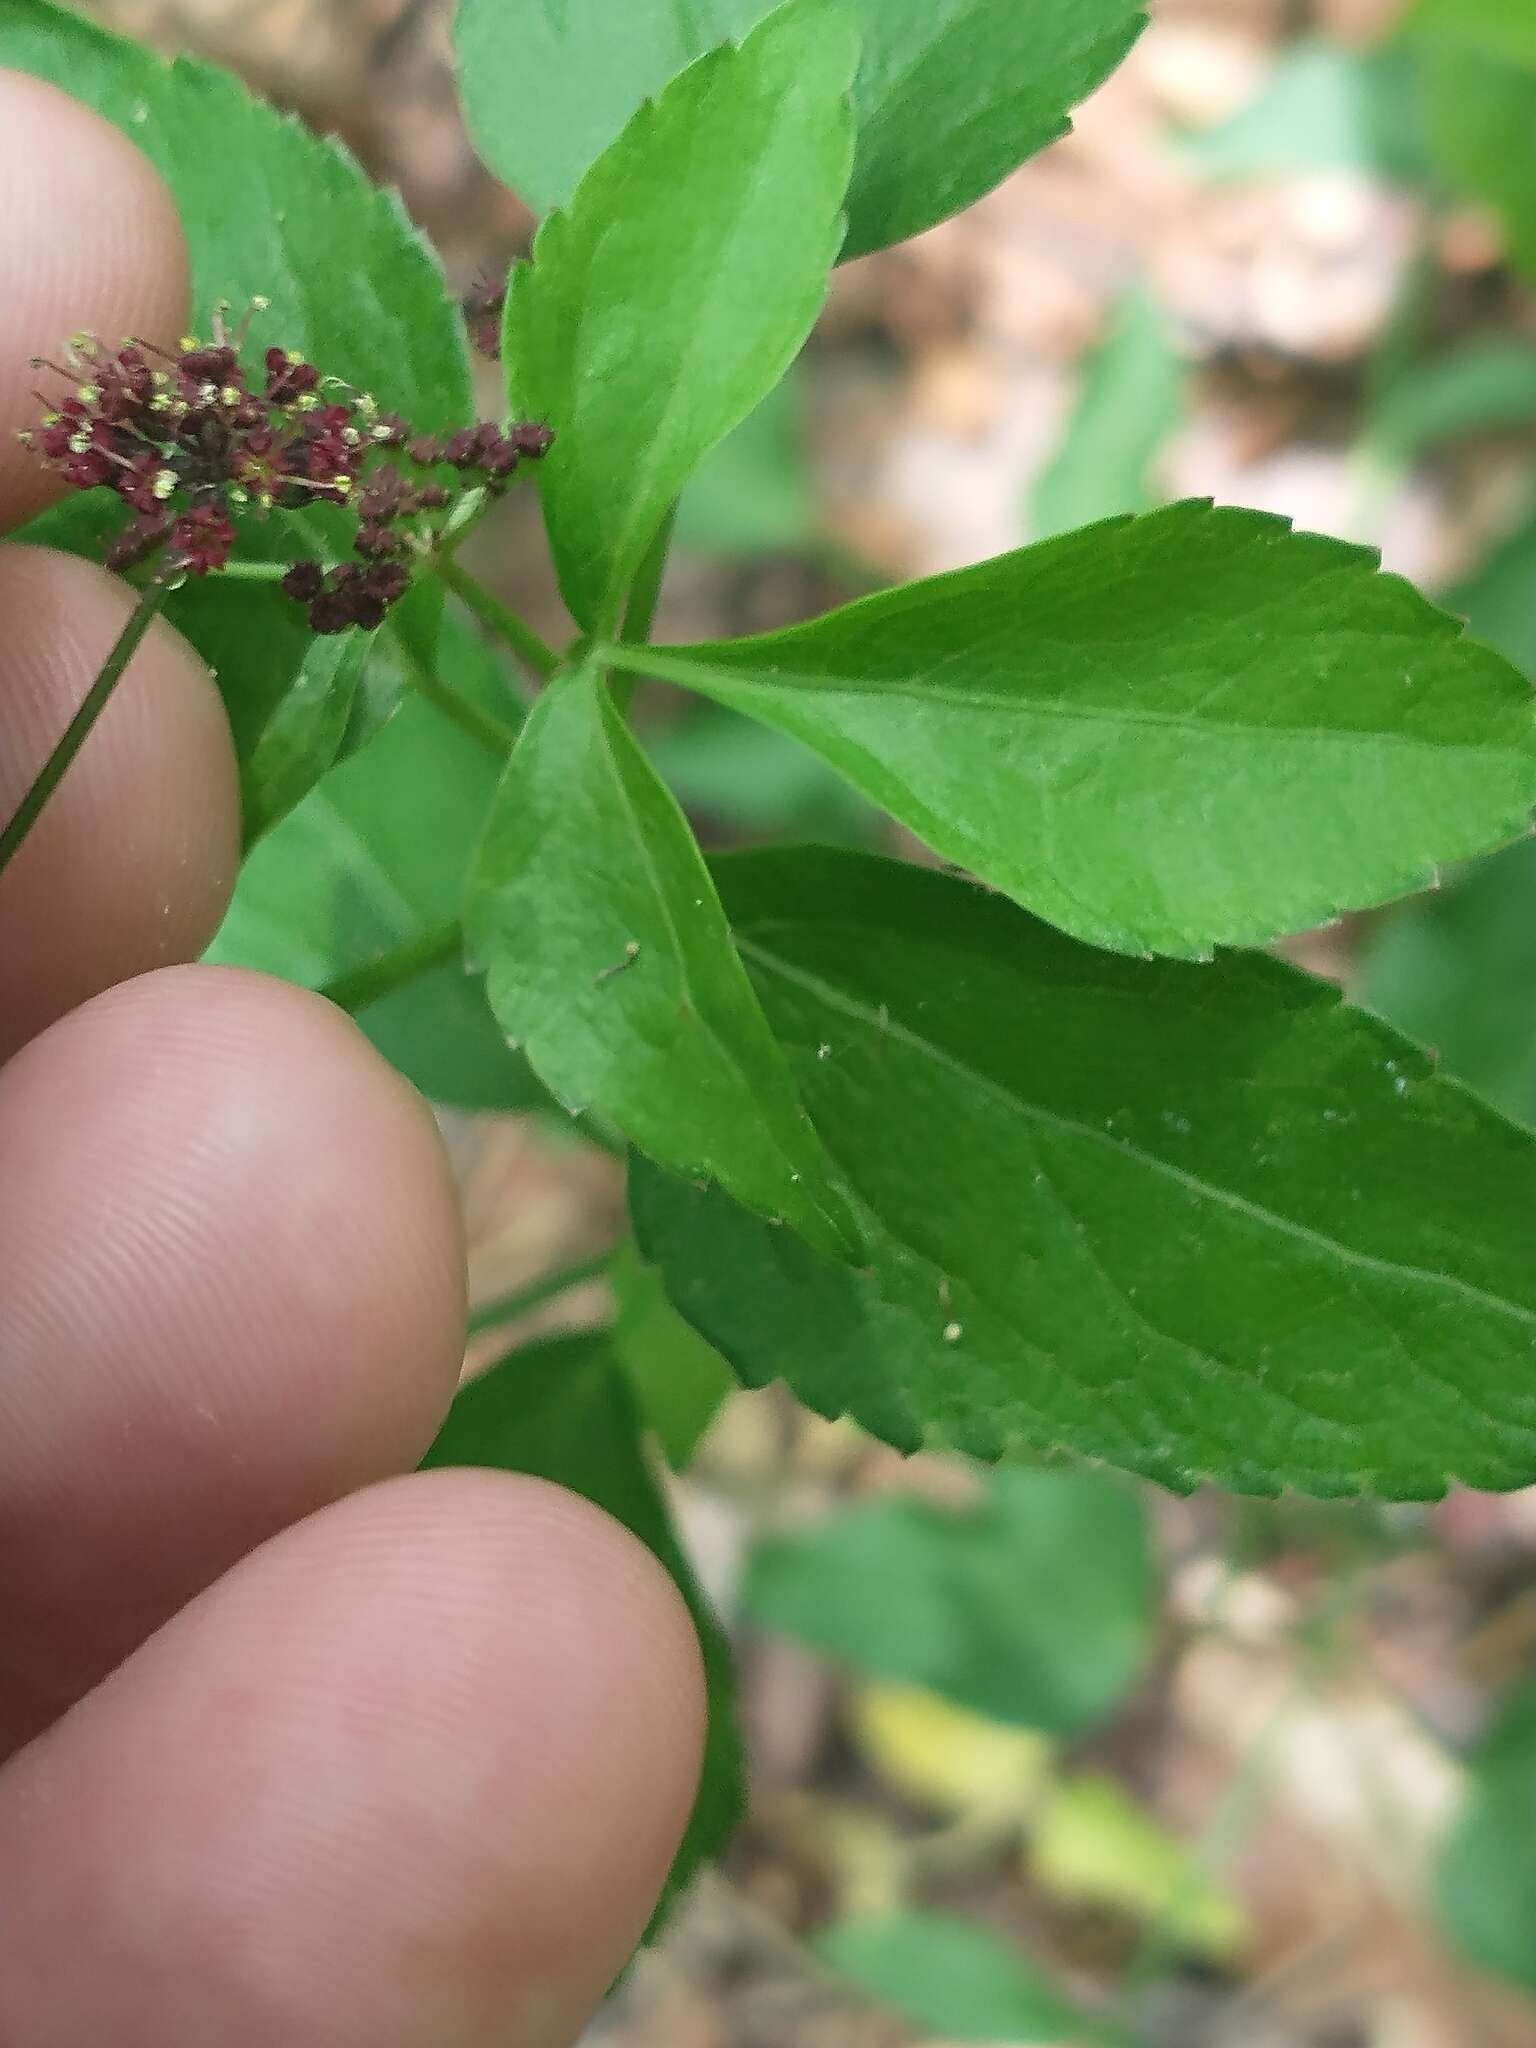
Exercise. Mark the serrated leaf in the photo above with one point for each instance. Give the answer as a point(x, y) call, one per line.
point(1457, 970)
point(1163, 734)
point(270, 210)
point(373, 859)
point(1485, 1886)
point(564, 1411)
point(1151, 1213)
point(678, 287)
point(950, 97)
point(1034, 1607)
point(1498, 597)
point(954, 1979)
point(610, 962)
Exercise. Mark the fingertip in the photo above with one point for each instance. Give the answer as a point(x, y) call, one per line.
point(93, 244)
point(131, 864)
point(231, 1241)
point(413, 1772)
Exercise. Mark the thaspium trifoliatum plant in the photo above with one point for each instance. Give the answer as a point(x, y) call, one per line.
point(1030, 1156)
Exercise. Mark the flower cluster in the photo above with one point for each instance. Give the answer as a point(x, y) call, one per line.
point(186, 441)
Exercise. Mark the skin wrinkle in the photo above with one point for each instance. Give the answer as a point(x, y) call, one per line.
point(367, 1318)
point(131, 864)
point(430, 1925)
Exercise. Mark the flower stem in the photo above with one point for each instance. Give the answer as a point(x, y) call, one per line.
point(53, 770)
point(362, 986)
point(498, 618)
point(492, 733)
point(509, 1308)
point(252, 572)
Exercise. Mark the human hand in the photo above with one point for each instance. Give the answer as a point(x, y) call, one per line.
point(299, 1753)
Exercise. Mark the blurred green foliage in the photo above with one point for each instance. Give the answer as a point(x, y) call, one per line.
point(1035, 1606)
point(1486, 1891)
point(957, 1980)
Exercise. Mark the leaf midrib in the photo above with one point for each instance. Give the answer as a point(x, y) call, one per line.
point(607, 723)
point(675, 665)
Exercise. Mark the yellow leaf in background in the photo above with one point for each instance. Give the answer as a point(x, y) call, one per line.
point(941, 1756)
point(1094, 1844)
point(864, 1855)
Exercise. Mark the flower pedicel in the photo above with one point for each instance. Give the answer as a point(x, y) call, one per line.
point(189, 441)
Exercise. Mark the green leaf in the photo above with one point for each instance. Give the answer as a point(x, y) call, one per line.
point(678, 1379)
point(1034, 1607)
point(1163, 734)
point(1498, 597)
point(1151, 1213)
point(1486, 1884)
point(678, 288)
point(732, 772)
point(371, 860)
point(754, 493)
point(1474, 389)
point(270, 210)
point(954, 1979)
point(1503, 28)
point(1482, 120)
point(1322, 108)
point(1457, 970)
point(951, 96)
point(1095, 1845)
point(609, 960)
point(305, 734)
point(1130, 402)
point(564, 1411)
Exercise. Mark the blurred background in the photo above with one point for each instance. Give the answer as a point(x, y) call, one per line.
point(1042, 1756)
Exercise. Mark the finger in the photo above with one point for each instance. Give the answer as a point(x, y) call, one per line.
point(131, 864)
point(413, 1773)
point(90, 241)
point(234, 1289)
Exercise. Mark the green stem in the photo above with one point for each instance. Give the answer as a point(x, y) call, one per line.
point(509, 1308)
point(491, 732)
point(76, 733)
point(498, 618)
point(253, 572)
point(362, 986)
point(643, 600)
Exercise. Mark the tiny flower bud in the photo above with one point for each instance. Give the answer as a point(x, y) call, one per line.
point(304, 581)
point(331, 612)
